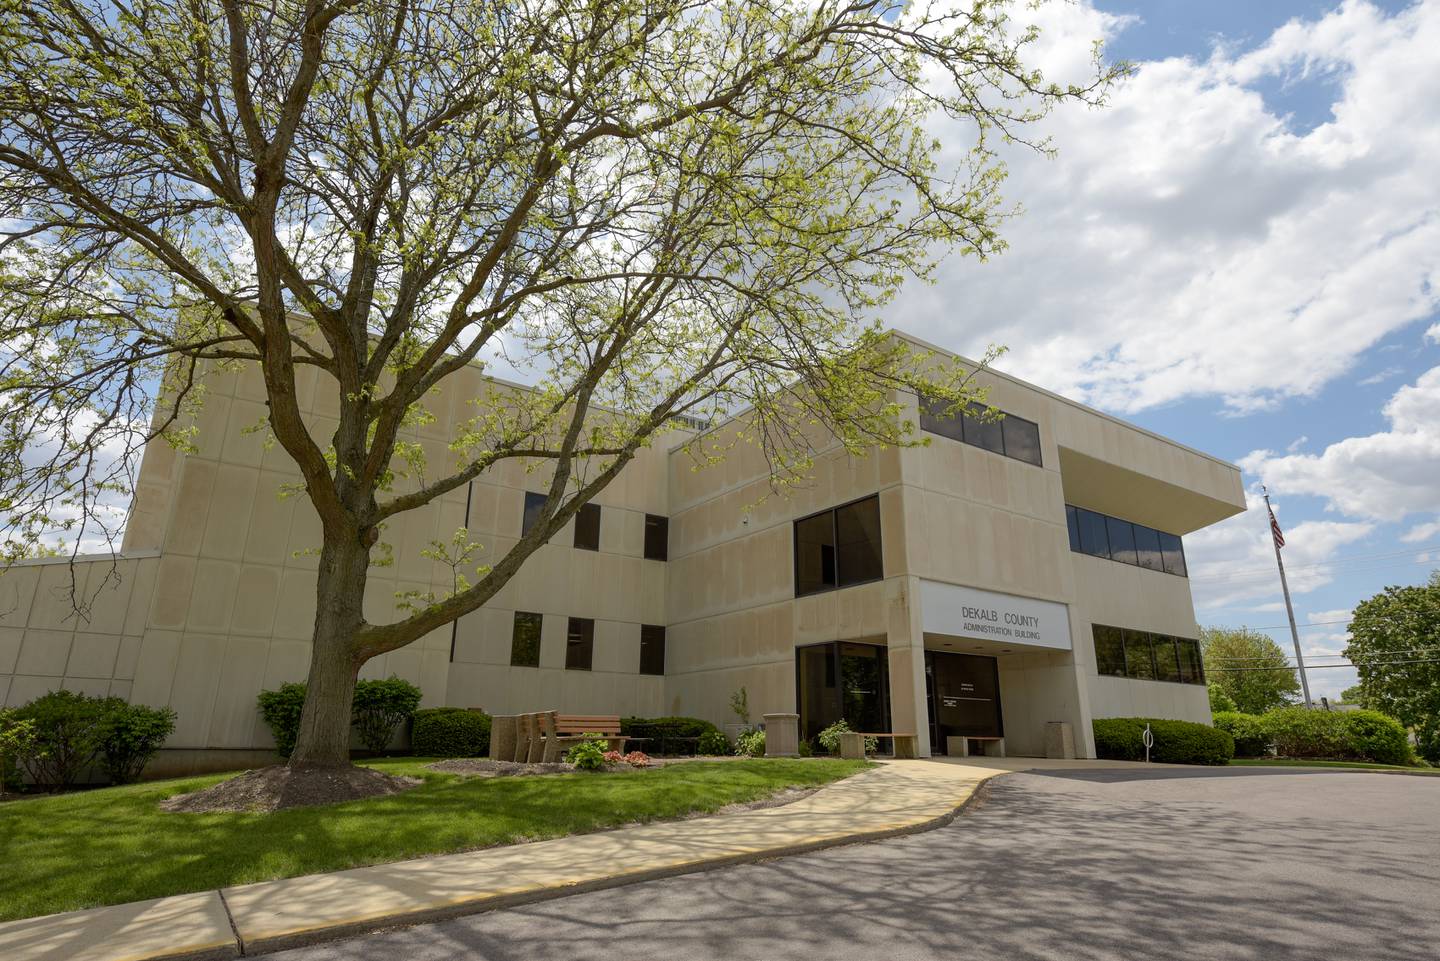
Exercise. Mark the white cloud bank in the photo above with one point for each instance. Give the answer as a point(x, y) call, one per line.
point(1189, 242)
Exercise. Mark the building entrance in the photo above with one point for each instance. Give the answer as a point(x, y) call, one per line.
point(963, 691)
point(842, 680)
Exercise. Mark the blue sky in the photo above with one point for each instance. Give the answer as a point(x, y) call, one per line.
point(1242, 252)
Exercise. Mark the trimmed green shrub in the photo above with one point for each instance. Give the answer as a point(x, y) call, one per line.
point(1376, 737)
point(380, 707)
point(1303, 732)
point(17, 740)
point(1248, 730)
point(750, 744)
point(1176, 742)
point(712, 743)
point(129, 735)
point(450, 732)
point(66, 725)
point(658, 727)
point(587, 755)
point(830, 738)
point(280, 709)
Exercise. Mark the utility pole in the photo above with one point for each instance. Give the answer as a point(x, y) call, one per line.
point(1278, 540)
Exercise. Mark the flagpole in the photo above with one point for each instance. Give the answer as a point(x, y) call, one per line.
point(1289, 609)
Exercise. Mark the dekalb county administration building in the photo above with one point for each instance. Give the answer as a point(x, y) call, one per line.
point(1010, 574)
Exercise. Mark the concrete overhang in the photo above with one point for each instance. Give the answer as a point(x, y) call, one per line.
point(1134, 496)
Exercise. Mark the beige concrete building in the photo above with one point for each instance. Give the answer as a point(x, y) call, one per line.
point(1008, 575)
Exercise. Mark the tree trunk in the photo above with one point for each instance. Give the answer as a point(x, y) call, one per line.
point(324, 736)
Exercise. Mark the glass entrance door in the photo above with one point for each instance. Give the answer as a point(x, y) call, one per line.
point(842, 679)
point(964, 695)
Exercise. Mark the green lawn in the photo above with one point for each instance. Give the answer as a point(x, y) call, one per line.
point(115, 845)
point(1306, 762)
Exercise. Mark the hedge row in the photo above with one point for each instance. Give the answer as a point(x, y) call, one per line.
point(450, 732)
point(66, 732)
point(378, 710)
point(1307, 733)
point(1176, 742)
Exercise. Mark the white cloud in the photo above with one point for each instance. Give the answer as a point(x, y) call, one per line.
point(1387, 475)
point(1187, 242)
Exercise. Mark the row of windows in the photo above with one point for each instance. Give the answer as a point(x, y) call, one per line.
point(838, 547)
point(587, 527)
point(580, 643)
point(1010, 435)
point(1103, 536)
point(1121, 652)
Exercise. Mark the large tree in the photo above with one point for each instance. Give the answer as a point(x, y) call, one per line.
point(1395, 647)
point(660, 207)
point(1249, 668)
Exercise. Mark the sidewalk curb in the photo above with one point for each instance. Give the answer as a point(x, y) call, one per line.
point(483, 905)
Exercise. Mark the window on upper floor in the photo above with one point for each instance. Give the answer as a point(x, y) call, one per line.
point(1006, 434)
point(1120, 540)
point(652, 649)
point(587, 527)
point(525, 640)
point(657, 537)
point(579, 644)
point(838, 547)
point(534, 503)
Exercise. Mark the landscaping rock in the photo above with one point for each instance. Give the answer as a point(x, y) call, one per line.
point(280, 786)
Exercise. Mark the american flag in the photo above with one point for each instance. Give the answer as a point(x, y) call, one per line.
point(1275, 528)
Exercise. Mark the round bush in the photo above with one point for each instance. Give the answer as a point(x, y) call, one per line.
point(1303, 732)
point(450, 732)
point(1248, 730)
point(380, 707)
point(1176, 742)
point(280, 709)
point(712, 743)
point(1376, 737)
point(129, 735)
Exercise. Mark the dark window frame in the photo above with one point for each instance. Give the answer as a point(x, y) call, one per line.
point(534, 503)
point(656, 641)
point(657, 547)
point(1079, 519)
point(840, 582)
point(515, 625)
point(968, 426)
point(1185, 651)
point(586, 643)
point(587, 527)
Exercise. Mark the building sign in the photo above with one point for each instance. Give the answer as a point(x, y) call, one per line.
point(989, 615)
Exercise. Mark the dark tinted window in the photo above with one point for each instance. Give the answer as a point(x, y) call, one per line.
point(1167, 665)
point(657, 537)
point(934, 419)
point(652, 649)
point(1122, 540)
point(525, 640)
point(815, 553)
point(1137, 656)
point(1109, 650)
point(1072, 521)
point(533, 503)
point(857, 535)
point(1192, 670)
point(1147, 547)
point(981, 432)
point(1172, 554)
point(1093, 538)
point(1022, 439)
point(587, 527)
point(579, 644)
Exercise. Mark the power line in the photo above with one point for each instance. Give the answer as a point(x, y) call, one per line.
point(1240, 577)
point(1262, 657)
point(1316, 667)
point(1334, 561)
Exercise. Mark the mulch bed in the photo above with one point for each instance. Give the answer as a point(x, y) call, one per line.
point(279, 787)
point(481, 767)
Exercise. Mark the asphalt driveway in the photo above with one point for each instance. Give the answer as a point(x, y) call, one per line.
point(1223, 863)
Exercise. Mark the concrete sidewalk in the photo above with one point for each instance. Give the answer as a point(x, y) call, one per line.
point(897, 797)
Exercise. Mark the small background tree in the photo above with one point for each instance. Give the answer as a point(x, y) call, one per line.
point(1395, 647)
point(1249, 668)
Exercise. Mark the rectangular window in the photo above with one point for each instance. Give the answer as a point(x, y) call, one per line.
point(587, 527)
point(1022, 439)
point(533, 504)
point(934, 419)
point(857, 542)
point(980, 432)
point(837, 548)
point(1109, 650)
point(1122, 540)
point(652, 649)
point(579, 644)
point(1072, 521)
point(1138, 662)
point(1172, 554)
point(1147, 547)
point(525, 640)
point(1093, 538)
point(1192, 669)
point(657, 537)
point(1167, 664)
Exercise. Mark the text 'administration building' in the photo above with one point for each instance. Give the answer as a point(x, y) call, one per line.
point(1010, 574)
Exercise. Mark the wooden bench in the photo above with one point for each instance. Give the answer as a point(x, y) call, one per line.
point(852, 744)
point(958, 745)
point(562, 730)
